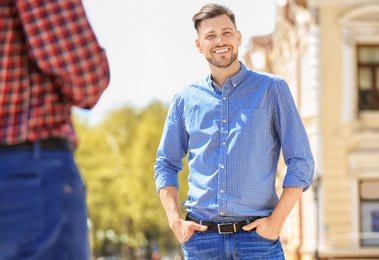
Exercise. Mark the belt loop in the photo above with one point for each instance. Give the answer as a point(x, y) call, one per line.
point(36, 150)
point(201, 223)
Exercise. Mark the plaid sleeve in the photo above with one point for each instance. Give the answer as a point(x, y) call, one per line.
point(62, 43)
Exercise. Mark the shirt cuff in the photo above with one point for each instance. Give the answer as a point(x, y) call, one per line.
point(292, 180)
point(165, 180)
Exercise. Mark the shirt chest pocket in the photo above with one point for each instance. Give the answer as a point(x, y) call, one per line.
point(252, 124)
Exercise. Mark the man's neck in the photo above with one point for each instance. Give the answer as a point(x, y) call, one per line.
point(220, 75)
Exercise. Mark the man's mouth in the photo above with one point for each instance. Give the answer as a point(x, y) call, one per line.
point(223, 50)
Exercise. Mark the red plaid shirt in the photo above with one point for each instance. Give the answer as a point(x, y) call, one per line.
point(50, 60)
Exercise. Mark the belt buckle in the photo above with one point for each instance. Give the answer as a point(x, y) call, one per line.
point(219, 227)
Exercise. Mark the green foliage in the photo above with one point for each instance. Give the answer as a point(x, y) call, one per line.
point(116, 159)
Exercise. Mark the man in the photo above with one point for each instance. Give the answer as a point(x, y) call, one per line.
point(233, 124)
point(50, 61)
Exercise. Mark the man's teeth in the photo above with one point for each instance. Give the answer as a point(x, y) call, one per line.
point(221, 51)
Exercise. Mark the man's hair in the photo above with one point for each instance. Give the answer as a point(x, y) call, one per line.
point(211, 11)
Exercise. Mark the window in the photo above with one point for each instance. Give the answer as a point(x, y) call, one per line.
point(369, 199)
point(368, 77)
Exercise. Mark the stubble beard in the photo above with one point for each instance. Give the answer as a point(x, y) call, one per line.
point(220, 65)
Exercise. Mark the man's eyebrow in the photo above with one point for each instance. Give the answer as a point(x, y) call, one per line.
point(228, 28)
point(209, 32)
point(223, 29)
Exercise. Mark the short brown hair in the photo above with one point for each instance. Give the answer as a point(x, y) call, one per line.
point(212, 11)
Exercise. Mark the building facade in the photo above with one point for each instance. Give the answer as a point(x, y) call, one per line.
point(349, 127)
point(328, 51)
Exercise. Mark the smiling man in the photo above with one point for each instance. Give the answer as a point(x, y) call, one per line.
point(219, 42)
point(234, 124)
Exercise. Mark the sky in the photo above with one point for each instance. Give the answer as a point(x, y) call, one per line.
point(150, 45)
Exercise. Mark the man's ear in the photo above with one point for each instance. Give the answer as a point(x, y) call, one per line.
point(197, 42)
point(239, 36)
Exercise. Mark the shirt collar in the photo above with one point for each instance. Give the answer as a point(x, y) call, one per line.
point(235, 79)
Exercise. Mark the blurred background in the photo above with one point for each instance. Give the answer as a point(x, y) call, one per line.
point(328, 52)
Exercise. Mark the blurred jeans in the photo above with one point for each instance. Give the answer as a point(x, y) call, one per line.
point(43, 214)
point(211, 245)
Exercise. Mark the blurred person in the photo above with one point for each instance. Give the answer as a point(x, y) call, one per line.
point(50, 61)
point(234, 125)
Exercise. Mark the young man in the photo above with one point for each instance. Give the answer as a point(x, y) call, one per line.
point(233, 124)
point(50, 61)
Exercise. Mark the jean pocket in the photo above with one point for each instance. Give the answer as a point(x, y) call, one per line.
point(20, 209)
point(264, 238)
point(189, 239)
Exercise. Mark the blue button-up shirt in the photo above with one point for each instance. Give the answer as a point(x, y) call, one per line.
point(234, 136)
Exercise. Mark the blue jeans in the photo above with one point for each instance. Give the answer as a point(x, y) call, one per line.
point(42, 206)
point(211, 245)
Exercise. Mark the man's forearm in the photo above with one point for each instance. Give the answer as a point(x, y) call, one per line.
point(169, 199)
point(286, 203)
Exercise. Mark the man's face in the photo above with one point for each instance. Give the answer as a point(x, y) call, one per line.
point(218, 40)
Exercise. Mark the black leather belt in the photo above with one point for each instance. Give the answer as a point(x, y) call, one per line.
point(224, 228)
point(52, 143)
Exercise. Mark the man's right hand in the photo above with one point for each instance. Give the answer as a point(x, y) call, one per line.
point(184, 230)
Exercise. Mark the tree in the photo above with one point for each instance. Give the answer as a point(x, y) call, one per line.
point(116, 158)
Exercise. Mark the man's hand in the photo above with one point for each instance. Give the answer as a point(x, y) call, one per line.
point(265, 227)
point(271, 226)
point(184, 230)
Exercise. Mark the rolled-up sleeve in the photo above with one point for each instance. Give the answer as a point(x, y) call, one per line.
point(294, 140)
point(172, 149)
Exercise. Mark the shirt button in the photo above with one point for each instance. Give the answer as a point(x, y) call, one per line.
point(234, 84)
point(221, 191)
point(223, 143)
point(67, 188)
point(224, 98)
point(224, 121)
point(222, 213)
point(222, 166)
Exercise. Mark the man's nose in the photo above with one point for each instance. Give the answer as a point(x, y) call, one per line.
point(219, 40)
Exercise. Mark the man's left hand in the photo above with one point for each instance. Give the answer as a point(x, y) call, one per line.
point(264, 227)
